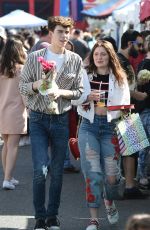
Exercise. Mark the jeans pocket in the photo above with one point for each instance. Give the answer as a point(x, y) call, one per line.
point(35, 116)
point(63, 118)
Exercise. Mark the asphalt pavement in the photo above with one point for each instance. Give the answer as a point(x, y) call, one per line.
point(16, 210)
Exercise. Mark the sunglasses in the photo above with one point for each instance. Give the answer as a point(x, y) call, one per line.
point(137, 43)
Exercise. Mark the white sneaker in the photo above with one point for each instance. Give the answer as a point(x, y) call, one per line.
point(14, 181)
point(93, 225)
point(8, 185)
point(22, 142)
point(112, 212)
point(143, 181)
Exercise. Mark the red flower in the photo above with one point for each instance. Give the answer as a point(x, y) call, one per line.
point(87, 180)
point(90, 198)
point(88, 189)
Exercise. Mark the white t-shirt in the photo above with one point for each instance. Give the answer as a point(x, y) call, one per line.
point(58, 58)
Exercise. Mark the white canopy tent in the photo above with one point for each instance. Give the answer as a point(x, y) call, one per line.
point(21, 19)
point(129, 13)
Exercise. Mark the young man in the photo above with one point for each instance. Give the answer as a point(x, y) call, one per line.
point(46, 127)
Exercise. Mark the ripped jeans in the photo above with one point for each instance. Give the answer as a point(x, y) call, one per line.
point(45, 129)
point(97, 153)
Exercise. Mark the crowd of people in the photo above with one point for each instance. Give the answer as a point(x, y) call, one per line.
point(92, 74)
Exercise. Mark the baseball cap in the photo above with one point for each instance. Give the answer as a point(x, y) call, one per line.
point(3, 32)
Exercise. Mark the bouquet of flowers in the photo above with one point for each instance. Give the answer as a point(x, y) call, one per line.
point(143, 77)
point(48, 84)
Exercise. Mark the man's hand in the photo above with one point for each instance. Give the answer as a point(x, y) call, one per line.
point(36, 85)
point(139, 96)
point(55, 94)
point(61, 93)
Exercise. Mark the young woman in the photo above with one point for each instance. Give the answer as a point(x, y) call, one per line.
point(107, 86)
point(13, 116)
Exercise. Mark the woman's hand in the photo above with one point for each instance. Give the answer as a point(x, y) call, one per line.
point(94, 95)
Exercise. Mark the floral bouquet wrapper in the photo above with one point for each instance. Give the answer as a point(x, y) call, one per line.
point(48, 84)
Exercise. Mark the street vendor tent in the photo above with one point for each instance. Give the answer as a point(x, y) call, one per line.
point(128, 12)
point(144, 10)
point(106, 8)
point(21, 19)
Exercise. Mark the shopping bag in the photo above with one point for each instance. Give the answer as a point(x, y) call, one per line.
point(131, 134)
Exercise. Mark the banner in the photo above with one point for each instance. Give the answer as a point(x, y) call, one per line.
point(61, 7)
point(76, 6)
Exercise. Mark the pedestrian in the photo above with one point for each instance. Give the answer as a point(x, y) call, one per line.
point(143, 108)
point(73, 123)
point(13, 116)
point(97, 128)
point(138, 222)
point(44, 40)
point(80, 46)
point(45, 124)
point(129, 49)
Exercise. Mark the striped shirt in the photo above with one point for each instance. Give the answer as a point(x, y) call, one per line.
point(69, 77)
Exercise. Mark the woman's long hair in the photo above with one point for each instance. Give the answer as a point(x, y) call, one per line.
point(13, 53)
point(114, 63)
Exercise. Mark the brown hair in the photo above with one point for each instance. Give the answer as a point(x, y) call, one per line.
point(59, 20)
point(12, 54)
point(139, 221)
point(114, 63)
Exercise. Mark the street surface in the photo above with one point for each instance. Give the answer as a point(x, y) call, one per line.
point(16, 210)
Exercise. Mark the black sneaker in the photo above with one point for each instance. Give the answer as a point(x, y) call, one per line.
point(53, 224)
point(71, 169)
point(40, 224)
point(134, 193)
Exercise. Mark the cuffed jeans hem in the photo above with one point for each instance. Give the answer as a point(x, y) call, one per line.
point(40, 217)
point(51, 216)
point(93, 205)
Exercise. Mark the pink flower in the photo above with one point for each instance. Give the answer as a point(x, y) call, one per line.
point(47, 65)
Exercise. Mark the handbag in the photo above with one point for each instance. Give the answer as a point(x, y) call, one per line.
point(116, 191)
point(131, 134)
point(73, 147)
point(73, 144)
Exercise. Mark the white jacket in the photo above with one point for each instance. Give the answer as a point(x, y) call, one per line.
point(117, 95)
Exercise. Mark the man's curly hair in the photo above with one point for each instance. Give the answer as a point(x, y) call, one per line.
point(61, 21)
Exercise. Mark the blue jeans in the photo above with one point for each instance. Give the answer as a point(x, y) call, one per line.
point(97, 157)
point(67, 162)
point(45, 129)
point(144, 154)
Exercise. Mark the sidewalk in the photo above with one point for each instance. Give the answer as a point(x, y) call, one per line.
point(16, 210)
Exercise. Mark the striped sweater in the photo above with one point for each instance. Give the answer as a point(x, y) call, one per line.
point(69, 77)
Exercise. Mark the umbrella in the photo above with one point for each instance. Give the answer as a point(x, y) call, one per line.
point(144, 10)
point(21, 19)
